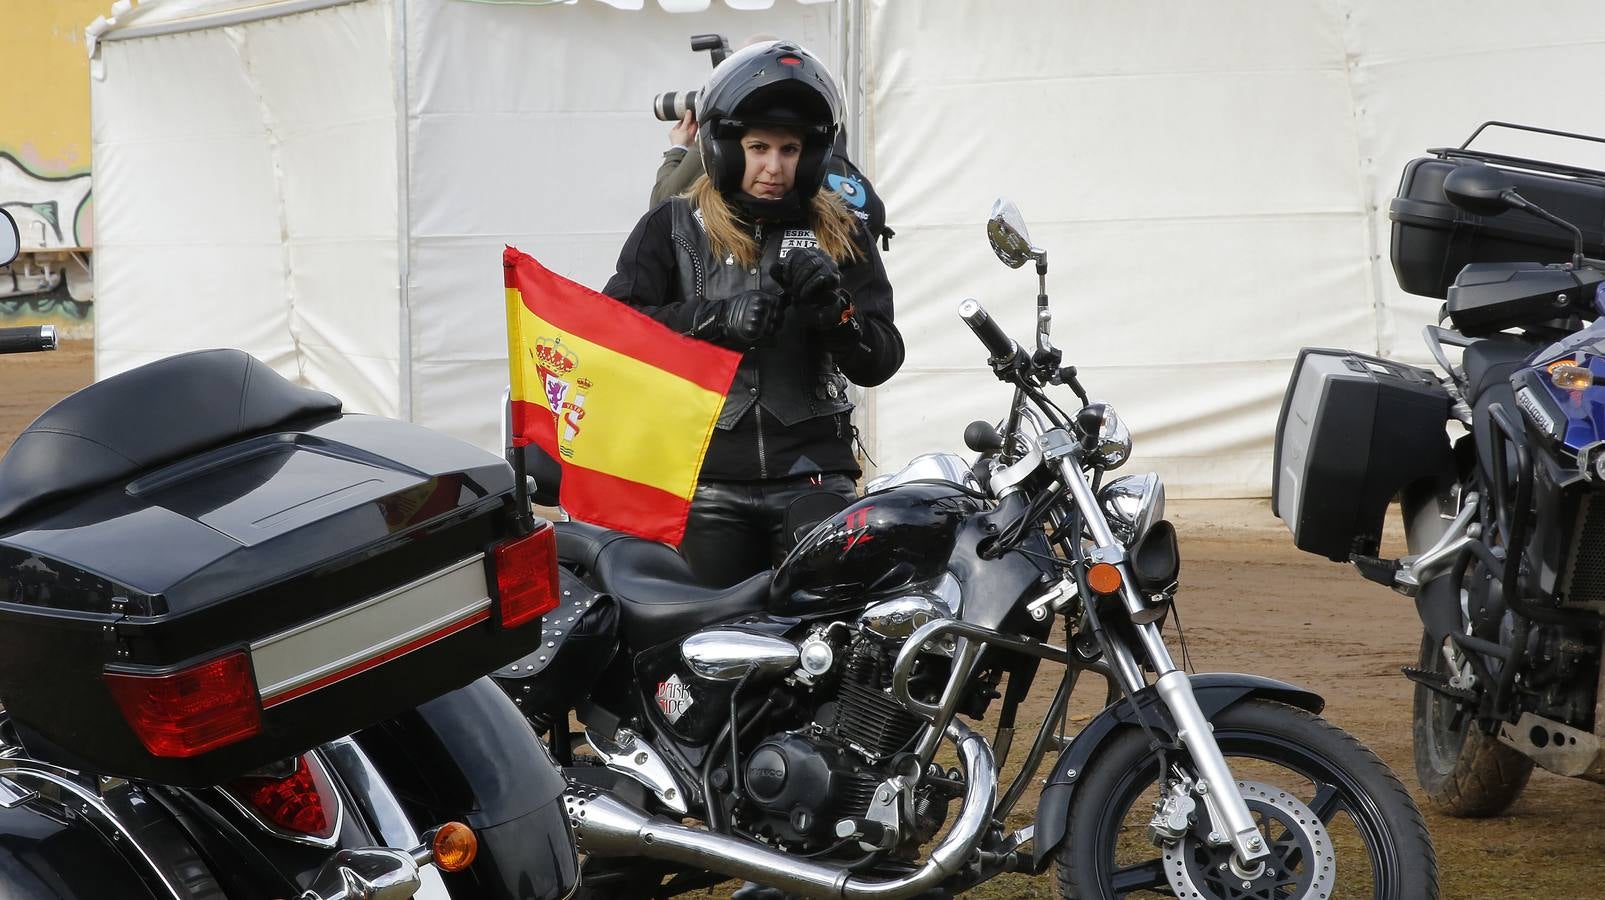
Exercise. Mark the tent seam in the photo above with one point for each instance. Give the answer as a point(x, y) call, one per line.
point(275, 147)
point(1365, 173)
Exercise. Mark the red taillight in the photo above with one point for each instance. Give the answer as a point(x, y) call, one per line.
point(526, 576)
point(789, 61)
point(190, 711)
point(302, 802)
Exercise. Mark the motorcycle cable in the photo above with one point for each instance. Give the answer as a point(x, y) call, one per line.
point(1181, 636)
point(1089, 607)
point(1015, 532)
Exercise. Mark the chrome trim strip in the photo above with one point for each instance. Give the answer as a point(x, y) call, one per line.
point(316, 649)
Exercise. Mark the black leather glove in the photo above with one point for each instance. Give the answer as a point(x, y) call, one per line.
point(808, 275)
point(743, 321)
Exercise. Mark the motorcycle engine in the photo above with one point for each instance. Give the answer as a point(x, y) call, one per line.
point(801, 783)
point(1565, 674)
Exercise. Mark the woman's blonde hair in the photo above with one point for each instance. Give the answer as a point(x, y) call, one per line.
point(833, 225)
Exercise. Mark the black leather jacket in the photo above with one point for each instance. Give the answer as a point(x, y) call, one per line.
point(787, 411)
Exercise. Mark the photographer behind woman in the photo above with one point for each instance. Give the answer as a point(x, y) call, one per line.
point(755, 257)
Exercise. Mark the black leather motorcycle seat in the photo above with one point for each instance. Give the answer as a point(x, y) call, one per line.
point(146, 417)
point(659, 600)
point(1493, 360)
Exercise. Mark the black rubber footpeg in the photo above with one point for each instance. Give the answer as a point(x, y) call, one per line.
point(1437, 681)
point(1381, 571)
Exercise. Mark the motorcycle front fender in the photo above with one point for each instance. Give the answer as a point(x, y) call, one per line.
point(1215, 692)
point(470, 755)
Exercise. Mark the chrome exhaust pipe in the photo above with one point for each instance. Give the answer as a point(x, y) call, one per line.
point(606, 826)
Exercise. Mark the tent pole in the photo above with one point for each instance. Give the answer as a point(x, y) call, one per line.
point(404, 368)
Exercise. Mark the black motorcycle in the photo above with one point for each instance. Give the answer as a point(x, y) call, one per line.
point(242, 646)
point(1504, 546)
point(809, 718)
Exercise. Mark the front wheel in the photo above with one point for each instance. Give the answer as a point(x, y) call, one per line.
point(1338, 821)
point(1465, 772)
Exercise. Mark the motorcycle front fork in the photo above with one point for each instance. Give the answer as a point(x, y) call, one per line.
point(1228, 813)
point(1231, 821)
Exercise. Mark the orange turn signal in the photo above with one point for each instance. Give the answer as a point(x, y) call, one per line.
point(455, 846)
point(1103, 578)
point(1571, 378)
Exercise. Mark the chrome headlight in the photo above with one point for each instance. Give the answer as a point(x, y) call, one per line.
point(1112, 447)
point(1132, 504)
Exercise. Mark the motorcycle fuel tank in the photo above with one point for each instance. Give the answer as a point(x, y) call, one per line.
point(886, 541)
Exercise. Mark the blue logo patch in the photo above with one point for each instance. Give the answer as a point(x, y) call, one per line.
point(850, 188)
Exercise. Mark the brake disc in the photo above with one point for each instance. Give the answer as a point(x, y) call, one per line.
point(1301, 861)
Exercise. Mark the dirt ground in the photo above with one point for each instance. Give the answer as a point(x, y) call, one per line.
point(1250, 602)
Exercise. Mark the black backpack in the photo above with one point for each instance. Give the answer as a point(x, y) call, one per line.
point(844, 178)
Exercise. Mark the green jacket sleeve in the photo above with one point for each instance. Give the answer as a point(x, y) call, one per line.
point(680, 167)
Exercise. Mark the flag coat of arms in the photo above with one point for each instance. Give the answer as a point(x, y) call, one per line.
point(626, 404)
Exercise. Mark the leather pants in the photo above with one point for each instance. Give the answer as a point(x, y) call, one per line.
point(737, 528)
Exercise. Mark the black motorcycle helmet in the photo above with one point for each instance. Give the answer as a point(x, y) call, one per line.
point(774, 83)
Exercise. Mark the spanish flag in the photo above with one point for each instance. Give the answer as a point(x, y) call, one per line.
point(626, 404)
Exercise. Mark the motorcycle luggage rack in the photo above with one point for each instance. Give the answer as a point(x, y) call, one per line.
point(1464, 151)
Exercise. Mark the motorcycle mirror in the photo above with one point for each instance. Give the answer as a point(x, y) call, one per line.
point(1485, 191)
point(10, 239)
point(1006, 231)
point(1480, 190)
point(982, 437)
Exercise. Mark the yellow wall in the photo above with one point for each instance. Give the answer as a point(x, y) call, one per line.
point(44, 115)
point(44, 142)
point(44, 83)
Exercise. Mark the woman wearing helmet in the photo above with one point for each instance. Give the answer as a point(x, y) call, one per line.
point(755, 257)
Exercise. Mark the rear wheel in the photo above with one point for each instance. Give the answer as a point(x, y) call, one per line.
point(1463, 771)
point(1340, 825)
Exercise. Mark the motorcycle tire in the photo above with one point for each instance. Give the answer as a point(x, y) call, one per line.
point(1464, 771)
point(1281, 751)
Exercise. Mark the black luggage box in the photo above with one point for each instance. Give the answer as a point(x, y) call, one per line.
point(1353, 431)
point(1432, 240)
point(249, 600)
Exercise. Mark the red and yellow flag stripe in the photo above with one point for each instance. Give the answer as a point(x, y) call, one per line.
point(624, 403)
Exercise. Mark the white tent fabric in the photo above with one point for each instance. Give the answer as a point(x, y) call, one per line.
point(240, 202)
point(328, 184)
point(1211, 181)
point(331, 188)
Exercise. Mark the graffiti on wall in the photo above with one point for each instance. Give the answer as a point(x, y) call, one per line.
point(51, 282)
point(51, 210)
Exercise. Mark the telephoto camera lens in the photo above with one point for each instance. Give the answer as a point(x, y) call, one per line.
point(671, 106)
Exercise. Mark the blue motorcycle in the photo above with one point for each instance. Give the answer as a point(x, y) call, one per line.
point(1498, 461)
